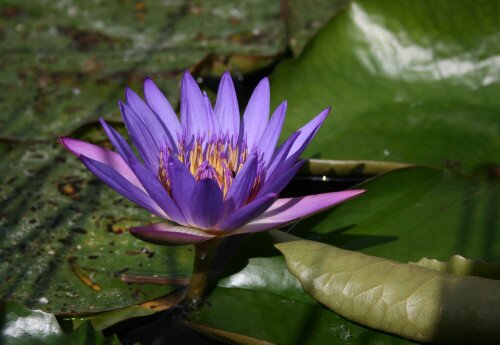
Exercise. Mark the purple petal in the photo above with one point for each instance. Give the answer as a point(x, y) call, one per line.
point(282, 165)
point(160, 105)
point(307, 133)
point(149, 180)
point(213, 123)
point(99, 154)
point(120, 144)
point(285, 160)
point(194, 117)
point(116, 181)
point(169, 234)
point(242, 185)
point(281, 155)
point(147, 144)
point(284, 177)
point(272, 133)
point(182, 184)
point(247, 212)
point(256, 114)
point(226, 107)
point(158, 193)
point(207, 204)
point(150, 120)
point(290, 210)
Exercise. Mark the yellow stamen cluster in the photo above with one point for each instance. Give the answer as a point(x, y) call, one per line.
point(225, 159)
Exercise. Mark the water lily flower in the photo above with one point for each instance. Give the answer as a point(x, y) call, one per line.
point(211, 174)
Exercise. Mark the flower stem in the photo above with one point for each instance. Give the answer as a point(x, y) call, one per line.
point(204, 253)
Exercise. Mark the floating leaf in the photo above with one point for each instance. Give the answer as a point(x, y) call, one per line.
point(462, 266)
point(404, 299)
point(305, 18)
point(279, 320)
point(260, 299)
point(66, 64)
point(65, 241)
point(404, 215)
point(106, 319)
point(410, 213)
point(413, 82)
point(21, 326)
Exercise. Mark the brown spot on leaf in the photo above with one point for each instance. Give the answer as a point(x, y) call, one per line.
point(10, 11)
point(117, 229)
point(86, 40)
point(68, 188)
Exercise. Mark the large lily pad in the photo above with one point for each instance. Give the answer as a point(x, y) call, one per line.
point(65, 64)
point(278, 320)
point(64, 237)
point(415, 212)
point(21, 326)
point(305, 18)
point(404, 299)
point(405, 215)
point(413, 82)
point(260, 299)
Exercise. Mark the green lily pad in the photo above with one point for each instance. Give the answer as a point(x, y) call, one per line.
point(462, 266)
point(258, 298)
point(410, 213)
point(408, 82)
point(66, 64)
point(21, 326)
point(405, 214)
point(106, 319)
point(278, 320)
point(64, 237)
point(305, 18)
point(404, 299)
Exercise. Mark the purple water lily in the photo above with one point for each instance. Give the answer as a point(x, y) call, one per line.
point(210, 174)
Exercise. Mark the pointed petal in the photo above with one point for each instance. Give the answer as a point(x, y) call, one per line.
point(307, 133)
point(122, 186)
point(158, 193)
point(150, 120)
point(113, 159)
point(242, 185)
point(272, 133)
point(213, 123)
point(120, 144)
point(182, 184)
point(149, 180)
point(169, 234)
point(283, 163)
point(148, 146)
point(290, 210)
point(281, 155)
point(247, 213)
point(256, 114)
point(226, 107)
point(194, 117)
point(282, 180)
point(207, 204)
point(160, 105)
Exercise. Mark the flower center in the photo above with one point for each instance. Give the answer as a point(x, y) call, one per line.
point(216, 158)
